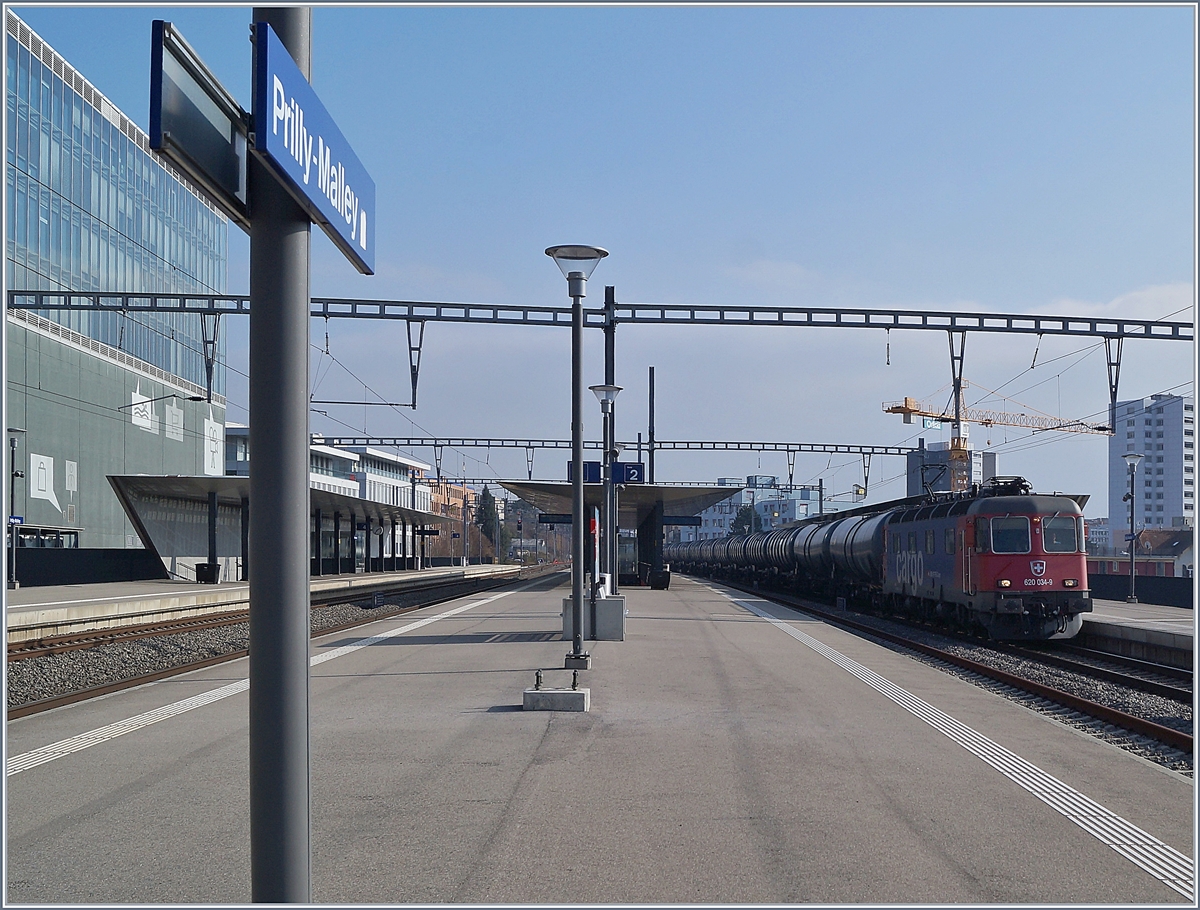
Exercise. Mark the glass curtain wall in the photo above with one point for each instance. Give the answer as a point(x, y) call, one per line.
point(90, 208)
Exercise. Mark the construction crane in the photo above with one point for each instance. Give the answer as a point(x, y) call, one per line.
point(910, 407)
point(959, 454)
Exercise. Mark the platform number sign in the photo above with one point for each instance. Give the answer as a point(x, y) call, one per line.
point(632, 472)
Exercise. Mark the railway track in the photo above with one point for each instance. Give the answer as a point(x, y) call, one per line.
point(21, 653)
point(1140, 675)
point(61, 644)
point(1140, 726)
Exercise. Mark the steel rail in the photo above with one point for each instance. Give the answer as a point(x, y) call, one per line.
point(627, 313)
point(59, 644)
point(1163, 690)
point(1170, 672)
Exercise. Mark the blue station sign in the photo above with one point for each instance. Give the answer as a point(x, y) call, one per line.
point(297, 139)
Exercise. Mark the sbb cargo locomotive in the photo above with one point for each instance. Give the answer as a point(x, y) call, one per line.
point(997, 557)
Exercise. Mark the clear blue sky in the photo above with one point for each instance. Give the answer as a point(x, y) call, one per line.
point(1009, 159)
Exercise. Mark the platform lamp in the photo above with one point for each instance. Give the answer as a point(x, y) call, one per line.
point(1132, 460)
point(607, 396)
point(13, 476)
point(577, 262)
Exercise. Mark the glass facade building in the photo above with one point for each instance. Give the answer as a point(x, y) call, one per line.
point(91, 208)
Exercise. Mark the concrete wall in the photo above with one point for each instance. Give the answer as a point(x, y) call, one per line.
point(67, 400)
point(1151, 589)
point(37, 567)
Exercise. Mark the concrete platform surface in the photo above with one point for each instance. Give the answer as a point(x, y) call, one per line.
point(735, 752)
point(34, 612)
point(1176, 620)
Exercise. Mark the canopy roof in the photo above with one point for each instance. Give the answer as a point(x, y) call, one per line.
point(635, 501)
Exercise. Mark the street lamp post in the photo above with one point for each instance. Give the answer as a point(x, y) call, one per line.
point(13, 476)
point(1132, 460)
point(137, 404)
point(607, 396)
point(577, 262)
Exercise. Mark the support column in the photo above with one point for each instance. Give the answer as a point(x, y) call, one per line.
point(279, 589)
point(650, 549)
point(1114, 378)
point(366, 539)
point(245, 539)
point(337, 543)
point(317, 520)
point(213, 515)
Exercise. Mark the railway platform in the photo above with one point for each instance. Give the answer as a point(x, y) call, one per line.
point(39, 612)
point(735, 752)
point(1144, 631)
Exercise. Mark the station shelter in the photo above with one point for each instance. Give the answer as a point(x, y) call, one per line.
point(646, 508)
point(192, 523)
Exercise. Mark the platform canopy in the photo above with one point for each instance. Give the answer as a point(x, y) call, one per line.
point(635, 501)
point(170, 513)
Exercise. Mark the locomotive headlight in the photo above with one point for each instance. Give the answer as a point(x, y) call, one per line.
point(1004, 583)
point(1070, 582)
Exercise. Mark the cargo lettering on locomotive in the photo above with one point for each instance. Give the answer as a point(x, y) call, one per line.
point(910, 568)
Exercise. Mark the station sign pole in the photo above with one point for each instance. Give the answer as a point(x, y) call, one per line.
point(280, 234)
point(275, 172)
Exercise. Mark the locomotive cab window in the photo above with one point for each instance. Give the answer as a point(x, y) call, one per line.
point(1010, 535)
point(948, 541)
point(1060, 535)
point(983, 540)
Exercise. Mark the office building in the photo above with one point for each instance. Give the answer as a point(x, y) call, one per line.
point(94, 394)
point(371, 490)
point(929, 467)
point(1162, 428)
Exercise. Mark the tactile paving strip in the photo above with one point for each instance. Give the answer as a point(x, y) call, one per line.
point(62, 748)
point(1168, 865)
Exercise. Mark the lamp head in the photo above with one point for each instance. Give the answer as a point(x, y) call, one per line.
point(605, 393)
point(576, 257)
point(1132, 460)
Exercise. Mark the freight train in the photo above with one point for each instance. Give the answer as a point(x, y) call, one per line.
point(997, 558)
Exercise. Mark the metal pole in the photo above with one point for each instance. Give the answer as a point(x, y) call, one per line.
point(578, 657)
point(13, 584)
point(606, 478)
point(595, 557)
point(1132, 598)
point(610, 430)
point(650, 464)
point(279, 587)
